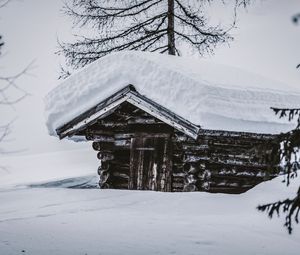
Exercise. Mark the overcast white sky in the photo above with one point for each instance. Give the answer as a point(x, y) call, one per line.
point(266, 42)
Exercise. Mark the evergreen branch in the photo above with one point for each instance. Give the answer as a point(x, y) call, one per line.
point(289, 207)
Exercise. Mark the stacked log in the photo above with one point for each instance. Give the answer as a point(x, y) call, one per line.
point(221, 161)
point(105, 154)
point(218, 161)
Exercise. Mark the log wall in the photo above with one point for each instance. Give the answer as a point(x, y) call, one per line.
point(221, 161)
point(218, 161)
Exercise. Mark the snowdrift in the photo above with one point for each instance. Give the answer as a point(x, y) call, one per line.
point(54, 219)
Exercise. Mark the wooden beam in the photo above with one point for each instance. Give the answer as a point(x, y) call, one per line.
point(163, 114)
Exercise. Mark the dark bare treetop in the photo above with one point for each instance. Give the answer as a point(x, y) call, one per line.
point(296, 19)
point(146, 25)
point(1, 44)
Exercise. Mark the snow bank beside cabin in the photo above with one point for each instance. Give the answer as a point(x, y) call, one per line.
point(211, 95)
point(46, 167)
point(64, 221)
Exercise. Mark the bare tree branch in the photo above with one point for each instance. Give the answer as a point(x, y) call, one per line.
point(7, 85)
point(3, 3)
point(9, 82)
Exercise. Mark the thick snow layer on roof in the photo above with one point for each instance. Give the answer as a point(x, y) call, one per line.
point(211, 95)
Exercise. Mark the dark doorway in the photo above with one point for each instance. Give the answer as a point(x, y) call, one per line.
point(151, 163)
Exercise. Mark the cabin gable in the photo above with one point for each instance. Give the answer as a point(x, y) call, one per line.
point(130, 95)
point(135, 149)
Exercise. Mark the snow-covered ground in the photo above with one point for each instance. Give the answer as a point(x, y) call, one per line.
point(40, 215)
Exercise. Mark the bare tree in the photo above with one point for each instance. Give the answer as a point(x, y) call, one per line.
point(10, 92)
point(146, 25)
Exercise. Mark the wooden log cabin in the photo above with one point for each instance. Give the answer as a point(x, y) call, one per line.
point(143, 145)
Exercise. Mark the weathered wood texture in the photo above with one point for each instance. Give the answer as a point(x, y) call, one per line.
point(137, 151)
point(222, 161)
point(150, 163)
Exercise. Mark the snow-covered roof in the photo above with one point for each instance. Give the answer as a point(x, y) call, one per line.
point(212, 95)
point(129, 95)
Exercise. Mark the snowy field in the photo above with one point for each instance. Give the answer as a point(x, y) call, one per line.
point(39, 214)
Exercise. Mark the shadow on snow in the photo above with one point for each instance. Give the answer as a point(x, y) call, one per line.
point(82, 182)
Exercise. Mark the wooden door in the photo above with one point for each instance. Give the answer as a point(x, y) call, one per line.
point(151, 163)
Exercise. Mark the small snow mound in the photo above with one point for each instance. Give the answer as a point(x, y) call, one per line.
point(274, 190)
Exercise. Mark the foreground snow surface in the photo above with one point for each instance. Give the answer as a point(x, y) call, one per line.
point(39, 214)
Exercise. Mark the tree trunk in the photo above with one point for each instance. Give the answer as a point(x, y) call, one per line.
point(171, 34)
